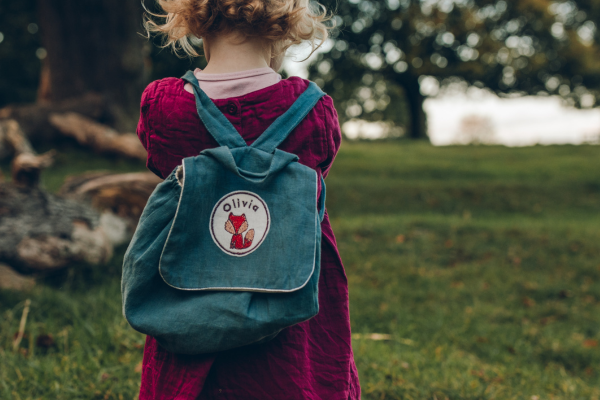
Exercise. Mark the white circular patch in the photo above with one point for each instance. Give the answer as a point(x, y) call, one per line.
point(239, 223)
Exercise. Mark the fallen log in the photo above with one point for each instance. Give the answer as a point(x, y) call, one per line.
point(12, 139)
point(124, 195)
point(40, 231)
point(100, 138)
point(33, 118)
point(26, 164)
point(26, 167)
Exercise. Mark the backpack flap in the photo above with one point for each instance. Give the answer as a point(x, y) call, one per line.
point(246, 221)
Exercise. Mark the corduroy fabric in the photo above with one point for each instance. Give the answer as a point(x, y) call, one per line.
point(311, 360)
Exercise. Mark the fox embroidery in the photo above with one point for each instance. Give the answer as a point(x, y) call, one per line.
point(236, 225)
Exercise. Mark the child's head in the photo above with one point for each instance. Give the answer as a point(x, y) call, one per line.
point(279, 23)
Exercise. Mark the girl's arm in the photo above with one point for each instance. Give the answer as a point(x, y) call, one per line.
point(333, 135)
point(146, 126)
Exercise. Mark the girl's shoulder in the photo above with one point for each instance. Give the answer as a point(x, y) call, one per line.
point(172, 90)
point(160, 88)
point(296, 86)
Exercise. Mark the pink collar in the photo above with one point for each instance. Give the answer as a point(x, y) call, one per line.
point(234, 84)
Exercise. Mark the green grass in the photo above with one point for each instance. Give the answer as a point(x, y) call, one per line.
point(481, 263)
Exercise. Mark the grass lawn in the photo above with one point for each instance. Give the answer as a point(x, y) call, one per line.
point(482, 264)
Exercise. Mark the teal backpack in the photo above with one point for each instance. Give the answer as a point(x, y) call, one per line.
point(227, 251)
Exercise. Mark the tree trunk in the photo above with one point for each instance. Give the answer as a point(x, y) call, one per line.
point(418, 118)
point(121, 195)
point(94, 46)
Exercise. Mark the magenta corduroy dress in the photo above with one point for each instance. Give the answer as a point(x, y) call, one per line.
point(309, 361)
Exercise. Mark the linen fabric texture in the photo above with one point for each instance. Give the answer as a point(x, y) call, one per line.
point(309, 360)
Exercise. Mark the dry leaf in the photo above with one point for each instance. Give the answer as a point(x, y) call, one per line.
point(45, 341)
point(138, 368)
point(517, 261)
point(372, 336)
point(527, 302)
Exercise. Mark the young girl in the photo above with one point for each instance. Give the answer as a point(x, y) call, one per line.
point(244, 43)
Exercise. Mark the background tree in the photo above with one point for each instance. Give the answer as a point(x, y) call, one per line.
point(386, 50)
point(19, 41)
point(92, 46)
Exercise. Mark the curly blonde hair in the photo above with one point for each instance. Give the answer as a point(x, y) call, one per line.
point(282, 23)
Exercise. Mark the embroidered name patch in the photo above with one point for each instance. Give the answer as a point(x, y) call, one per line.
point(239, 223)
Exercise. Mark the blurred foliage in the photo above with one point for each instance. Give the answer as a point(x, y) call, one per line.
point(383, 49)
point(387, 56)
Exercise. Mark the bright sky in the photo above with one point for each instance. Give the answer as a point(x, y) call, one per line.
point(521, 121)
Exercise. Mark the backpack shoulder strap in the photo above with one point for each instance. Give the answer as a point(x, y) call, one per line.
point(285, 124)
point(215, 122)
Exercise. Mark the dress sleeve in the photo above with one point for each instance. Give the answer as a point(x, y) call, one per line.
point(333, 136)
point(145, 128)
